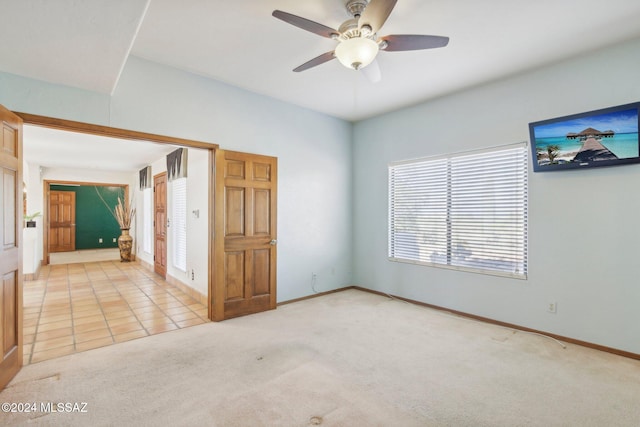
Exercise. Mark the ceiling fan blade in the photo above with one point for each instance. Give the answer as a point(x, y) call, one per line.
point(306, 24)
point(372, 72)
point(325, 57)
point(376, 14)
point(402, 42)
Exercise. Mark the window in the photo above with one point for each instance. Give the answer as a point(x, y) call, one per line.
point(179, 222)
point(147, 220)
point(465, 211)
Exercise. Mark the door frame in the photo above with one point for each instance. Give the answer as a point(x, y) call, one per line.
point(106, 131)
point(46, 188)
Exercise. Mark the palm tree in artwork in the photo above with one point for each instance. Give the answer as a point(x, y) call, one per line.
point(553, 151)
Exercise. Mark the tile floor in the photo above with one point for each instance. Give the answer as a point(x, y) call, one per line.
point(77, 307)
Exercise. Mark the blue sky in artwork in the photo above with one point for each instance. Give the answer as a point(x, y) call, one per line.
point(625, 121)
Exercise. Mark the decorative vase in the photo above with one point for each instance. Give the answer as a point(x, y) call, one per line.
point(125, 242)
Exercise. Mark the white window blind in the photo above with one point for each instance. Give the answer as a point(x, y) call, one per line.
point(147, 219)
point(179, 222)
point(465, 211)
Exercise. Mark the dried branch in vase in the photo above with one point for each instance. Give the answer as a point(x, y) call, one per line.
point(124, 213)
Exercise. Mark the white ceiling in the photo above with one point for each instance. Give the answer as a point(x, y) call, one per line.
point(52, 148)
point(86, 43)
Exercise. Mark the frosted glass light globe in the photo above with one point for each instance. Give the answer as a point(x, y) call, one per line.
point(357, 52)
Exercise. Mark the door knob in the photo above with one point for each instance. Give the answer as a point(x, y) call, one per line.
point(273, 242)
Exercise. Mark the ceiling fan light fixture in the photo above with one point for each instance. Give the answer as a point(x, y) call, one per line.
point(366, 30)
point(357, 52)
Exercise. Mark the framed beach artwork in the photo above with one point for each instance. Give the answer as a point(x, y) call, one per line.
point(606, 137)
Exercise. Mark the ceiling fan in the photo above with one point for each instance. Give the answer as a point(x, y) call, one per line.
point(359, 42)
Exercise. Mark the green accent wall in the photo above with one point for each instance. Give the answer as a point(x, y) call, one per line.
point(94, 221)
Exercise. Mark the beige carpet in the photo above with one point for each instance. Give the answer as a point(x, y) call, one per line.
point(345, 359)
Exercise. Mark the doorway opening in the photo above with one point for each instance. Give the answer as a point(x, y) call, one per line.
point(82, 305)
point(77, 221)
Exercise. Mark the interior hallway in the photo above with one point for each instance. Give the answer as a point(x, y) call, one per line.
point(77, 307)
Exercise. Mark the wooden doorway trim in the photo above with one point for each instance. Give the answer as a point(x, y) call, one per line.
point(71, 126)
point(46, 188)
point(80, 127)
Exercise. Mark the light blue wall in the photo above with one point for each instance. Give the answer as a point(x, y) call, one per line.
point(35, 97)
point(584, 239)
point(313, 151)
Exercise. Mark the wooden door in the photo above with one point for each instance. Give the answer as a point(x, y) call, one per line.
point(245, 234)
point(10, 246)
point(160, 224)
point(62, 221)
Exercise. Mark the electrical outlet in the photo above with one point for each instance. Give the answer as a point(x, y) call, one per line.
point(193, 277)
point(114, 240)
point(100, 240)
point(314, 276)
point(552, 307)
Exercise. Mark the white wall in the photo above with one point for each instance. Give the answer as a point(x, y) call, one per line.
point(158, 166)
point(583, 225)
point(30, 257)
point(88, 175)
point(313, 151)
point(197, 227)
point(33, 253)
